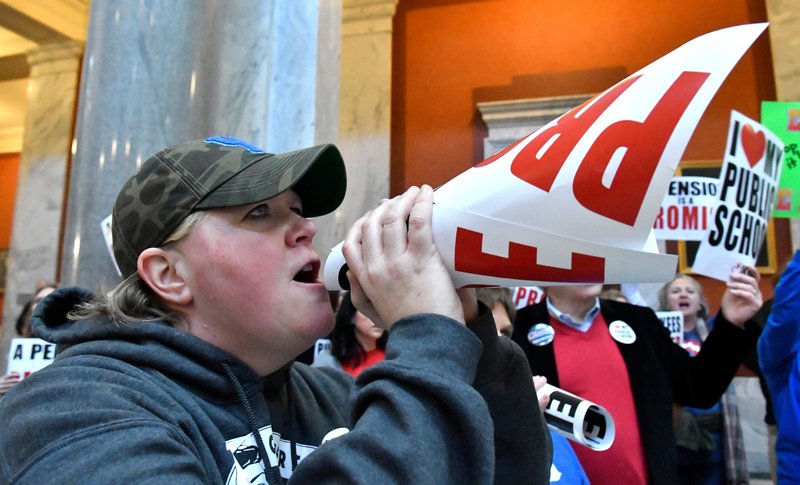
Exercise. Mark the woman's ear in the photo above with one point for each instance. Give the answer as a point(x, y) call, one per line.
point(161, 270)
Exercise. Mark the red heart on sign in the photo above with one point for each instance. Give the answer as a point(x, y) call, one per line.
point(753, 143)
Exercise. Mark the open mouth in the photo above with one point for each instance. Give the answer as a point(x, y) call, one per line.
point(308, 274)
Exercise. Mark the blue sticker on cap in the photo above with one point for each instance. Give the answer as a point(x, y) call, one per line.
point(541, 334)
point(230, 141)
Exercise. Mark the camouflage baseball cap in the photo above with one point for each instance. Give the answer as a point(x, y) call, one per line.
point(217, 172)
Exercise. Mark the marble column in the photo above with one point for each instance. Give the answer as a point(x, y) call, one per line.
point(33, 256)
point(159, 72)
point(364, 110)
point(784, 36)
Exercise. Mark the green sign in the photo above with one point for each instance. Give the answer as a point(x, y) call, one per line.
point(783, 119)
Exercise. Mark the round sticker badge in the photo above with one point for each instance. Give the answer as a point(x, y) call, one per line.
point(541, 334)
point(622, 332)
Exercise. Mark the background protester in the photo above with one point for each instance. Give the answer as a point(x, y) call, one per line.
point(23, 327)
point(23, 324)
point(566, 469)
point(621, 357)
point(501, 302)
point(356, 342)
point(710, 444)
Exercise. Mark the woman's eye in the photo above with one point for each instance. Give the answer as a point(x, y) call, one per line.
point(258, 211)
point(297, 210)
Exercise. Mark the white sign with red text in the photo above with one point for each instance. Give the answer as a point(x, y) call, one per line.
point(575, 201)
point(748, 182)
point(687, 209)
point(526, 296)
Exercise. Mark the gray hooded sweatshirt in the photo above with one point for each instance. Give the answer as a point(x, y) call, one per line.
point(148, 403)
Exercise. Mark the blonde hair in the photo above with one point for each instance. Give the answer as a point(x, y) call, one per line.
point(132, 300)
point(613, 294)
point(664, 291)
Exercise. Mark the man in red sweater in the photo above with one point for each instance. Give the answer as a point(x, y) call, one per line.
point(621, 357)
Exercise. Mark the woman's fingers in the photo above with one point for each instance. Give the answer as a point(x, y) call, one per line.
point(420, 234)
point(352, 247)
point(394, 225)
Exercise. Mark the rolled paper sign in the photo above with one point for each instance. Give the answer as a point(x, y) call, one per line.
point(577, 419)
point(575, 201)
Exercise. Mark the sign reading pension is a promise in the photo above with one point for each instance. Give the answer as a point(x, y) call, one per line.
point(687, 210)
point(748, 182)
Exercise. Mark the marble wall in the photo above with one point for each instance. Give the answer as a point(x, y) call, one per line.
point(364, 113)
point(159, 72)
point(38, 208)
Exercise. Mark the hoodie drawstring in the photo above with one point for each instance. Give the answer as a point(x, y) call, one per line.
point(269, 473)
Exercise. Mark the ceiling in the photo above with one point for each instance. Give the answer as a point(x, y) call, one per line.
point(24, 25)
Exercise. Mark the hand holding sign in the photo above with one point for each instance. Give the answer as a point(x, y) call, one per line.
point(742, 299)
point(395, 269)
point(8, 381)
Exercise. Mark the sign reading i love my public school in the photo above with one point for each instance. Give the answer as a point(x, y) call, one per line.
point(783, 119)
point(747, 186)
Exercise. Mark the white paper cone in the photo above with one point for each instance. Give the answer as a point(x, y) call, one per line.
point(333, 274)
point(575, 201)
point(480, 251)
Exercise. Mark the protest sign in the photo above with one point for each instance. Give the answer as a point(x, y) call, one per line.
point(323, 345)
point(577, 419)
point(527, 296)
point(687, 209)
point(596, 177)
point(27, 355)
point(748, 181)
point(673, 321)
point(783, 119)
